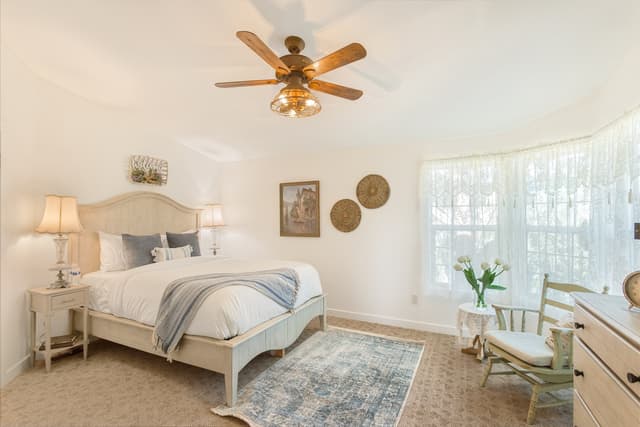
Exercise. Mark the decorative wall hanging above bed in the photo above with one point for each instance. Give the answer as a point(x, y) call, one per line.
point(345, 215)
point(148, 170)
point(373, 191)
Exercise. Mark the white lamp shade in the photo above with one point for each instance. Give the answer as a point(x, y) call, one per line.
point(60, 215)
point(212, 217)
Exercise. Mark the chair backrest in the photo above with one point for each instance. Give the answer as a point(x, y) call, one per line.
point(546, 300)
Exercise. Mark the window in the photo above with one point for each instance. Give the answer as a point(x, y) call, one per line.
point(566, 209)
point(558, 215)
point(463, 210)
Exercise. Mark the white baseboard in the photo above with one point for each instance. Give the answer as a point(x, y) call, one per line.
point(393, 321)
point(15, 370)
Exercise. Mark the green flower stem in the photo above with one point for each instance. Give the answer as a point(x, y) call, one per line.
point(480, 302)
point(484, 282)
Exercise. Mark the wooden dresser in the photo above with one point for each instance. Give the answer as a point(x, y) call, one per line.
point(606, 361)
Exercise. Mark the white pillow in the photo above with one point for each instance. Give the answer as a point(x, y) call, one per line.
point(111, 252)
point(167, 254)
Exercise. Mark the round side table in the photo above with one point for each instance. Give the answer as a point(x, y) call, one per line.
point(478, 322)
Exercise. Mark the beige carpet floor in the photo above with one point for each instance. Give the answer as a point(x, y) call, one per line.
point(118, 386)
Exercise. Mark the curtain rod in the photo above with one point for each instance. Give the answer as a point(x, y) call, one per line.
point(541, 146)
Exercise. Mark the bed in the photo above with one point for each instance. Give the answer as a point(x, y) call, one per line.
point(225, 335)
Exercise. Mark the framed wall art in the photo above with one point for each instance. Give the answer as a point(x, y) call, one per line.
point(300, 209)
point(148, 170)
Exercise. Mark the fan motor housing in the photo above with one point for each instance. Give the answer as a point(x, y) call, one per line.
point(295, 63)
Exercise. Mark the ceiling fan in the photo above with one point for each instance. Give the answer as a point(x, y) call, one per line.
point(296, 71)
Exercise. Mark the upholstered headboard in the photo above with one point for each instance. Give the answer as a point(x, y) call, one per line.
point(140, 212)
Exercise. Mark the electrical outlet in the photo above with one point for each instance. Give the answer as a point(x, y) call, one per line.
point(636, 231)
point(414, 299)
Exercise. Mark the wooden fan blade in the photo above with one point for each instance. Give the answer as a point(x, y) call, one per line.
point(262, 50)
point(248, 83)
point(334, 89)
point(340, 57)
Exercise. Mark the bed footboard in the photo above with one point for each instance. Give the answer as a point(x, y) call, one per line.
point(280, 334)
point(227, 357)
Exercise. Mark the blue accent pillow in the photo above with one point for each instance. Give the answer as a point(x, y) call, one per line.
point(137, 249)
point(177, 240)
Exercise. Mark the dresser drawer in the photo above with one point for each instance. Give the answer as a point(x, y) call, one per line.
point(609, 400)
point(613, 350)
point(69, 300)
point(581, 415)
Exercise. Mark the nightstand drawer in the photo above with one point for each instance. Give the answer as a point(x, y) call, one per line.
point(69, 300)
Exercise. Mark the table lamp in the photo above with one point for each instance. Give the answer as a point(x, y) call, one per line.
point(212, 219)
point(60, 218)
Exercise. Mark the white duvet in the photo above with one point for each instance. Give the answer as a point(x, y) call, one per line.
point(135, 294)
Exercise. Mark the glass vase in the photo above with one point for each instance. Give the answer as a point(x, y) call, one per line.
point(479, 301)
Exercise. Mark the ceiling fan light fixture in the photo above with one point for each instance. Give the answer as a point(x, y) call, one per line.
point(297, 70)
point(295, 101)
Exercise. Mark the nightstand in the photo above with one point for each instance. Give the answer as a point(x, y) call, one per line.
point(47, 301)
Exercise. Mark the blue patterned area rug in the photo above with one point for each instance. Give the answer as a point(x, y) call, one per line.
point(334, 378)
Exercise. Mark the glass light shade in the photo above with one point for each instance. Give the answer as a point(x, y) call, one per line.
point(295, 101)
point(60, 215)
point(212, 217)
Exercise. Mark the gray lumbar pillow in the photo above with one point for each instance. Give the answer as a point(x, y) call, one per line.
point(177, 240)
point(137, 249)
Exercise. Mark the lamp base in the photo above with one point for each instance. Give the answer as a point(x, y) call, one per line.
point(214, 237)
point(60, 282)
point(61, 245)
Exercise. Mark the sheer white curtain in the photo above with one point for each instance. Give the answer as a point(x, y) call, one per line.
point(462, 208)
point(551, 220)
point(616, 200)
point(566, 209)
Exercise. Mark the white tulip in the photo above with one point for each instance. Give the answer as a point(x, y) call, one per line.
point(457, 267)
point(506, 267)
point(462, 258)
point(498, 261)
point(484, 265)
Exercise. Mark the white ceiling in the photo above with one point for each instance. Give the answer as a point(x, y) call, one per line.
point(435, 70)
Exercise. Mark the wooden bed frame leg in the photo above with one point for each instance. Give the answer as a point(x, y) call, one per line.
point(323, 317)
point(231, 388)
point(278, 353)
point(323, 322)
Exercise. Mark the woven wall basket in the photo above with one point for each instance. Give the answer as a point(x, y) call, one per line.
point(373, 191)
point(346, 215)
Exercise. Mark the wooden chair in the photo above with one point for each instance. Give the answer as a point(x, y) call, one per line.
point(527, 355)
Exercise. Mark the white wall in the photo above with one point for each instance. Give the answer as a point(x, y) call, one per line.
point(56, 142)
point(372, 273)
point(372, 270)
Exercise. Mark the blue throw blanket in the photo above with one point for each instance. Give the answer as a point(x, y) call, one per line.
point(183, 298)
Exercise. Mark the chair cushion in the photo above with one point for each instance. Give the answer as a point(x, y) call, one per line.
point(528, 347)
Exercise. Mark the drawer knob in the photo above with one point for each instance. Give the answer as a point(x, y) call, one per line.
point(578, 325)
point(578, 373)
point(633, 378)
